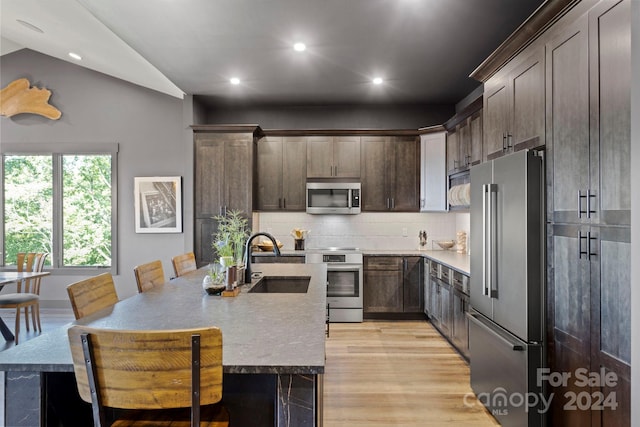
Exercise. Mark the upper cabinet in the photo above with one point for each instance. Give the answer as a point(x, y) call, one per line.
point(390, 173)
point(464, 138)
point(333, 157)
point(433, 174)
point(281, 172)
point(514, 106)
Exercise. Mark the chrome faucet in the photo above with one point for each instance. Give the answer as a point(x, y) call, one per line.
point(247, 253)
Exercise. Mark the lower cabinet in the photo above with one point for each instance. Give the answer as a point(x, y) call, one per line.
point(447, 305)
point(392, 284)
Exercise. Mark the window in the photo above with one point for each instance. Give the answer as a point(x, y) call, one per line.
point(61, 202)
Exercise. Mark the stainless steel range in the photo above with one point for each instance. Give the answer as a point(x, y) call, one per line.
point(344, 281)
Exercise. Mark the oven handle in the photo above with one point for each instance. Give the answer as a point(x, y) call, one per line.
point(343, 267)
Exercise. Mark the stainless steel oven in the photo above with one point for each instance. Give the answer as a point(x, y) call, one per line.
point(344, 282)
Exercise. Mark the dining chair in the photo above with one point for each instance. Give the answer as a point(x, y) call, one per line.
point(184, 263)
point(158, 377)
point(92, 294)
point(27, 293)
point(149, 275)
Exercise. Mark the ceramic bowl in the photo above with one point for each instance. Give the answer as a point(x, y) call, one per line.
point(446, 244)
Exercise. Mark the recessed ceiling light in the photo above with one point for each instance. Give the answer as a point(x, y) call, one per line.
point(234, 81)
point(29, 25)
point(377, 81)
point(299, 47)
point(75, 56)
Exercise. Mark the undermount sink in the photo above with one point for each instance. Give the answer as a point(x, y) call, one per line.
point(281, 285)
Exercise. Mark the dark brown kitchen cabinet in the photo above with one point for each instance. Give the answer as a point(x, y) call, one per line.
point(390, 173)
point(333, 157)
point(223, 182)
point(514, 106)
point(589, 176)
point(475, 138)
point(452, 151)
point(460, 322)
point(281, 171)
point(393, 284)
point(383, 290)
point(412, 285)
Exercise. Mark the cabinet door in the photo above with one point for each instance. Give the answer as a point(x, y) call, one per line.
point(527, 86)
point(496, 106)
point(568, 123)
point(452, 151)
point(610, 90)
point(434, 301)
point(294, 172)
point(269, 171)
point(476, 138)
point(610, 253)
point(460, 330)
point(433, 173)
point(412, 287)
point(383, 291)
point(346, 156)
point(238, 176)
point(404, 176)
point(319, 157)
point(209, 176)
point(569, 310)
point(464, 144)
point(374, 165)
point(446, 319)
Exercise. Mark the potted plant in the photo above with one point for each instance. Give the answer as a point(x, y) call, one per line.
point(229, 239)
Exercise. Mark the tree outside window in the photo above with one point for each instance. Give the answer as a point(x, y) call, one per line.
point(61, 204)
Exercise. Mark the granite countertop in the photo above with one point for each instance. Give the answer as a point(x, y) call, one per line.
point(262, 333)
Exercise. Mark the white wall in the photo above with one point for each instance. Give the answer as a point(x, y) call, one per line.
point(379, 231)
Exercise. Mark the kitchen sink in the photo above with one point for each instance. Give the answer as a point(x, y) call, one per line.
point(281, 285)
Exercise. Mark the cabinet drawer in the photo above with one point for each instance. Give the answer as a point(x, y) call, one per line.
point(445, 274)
point(433, 269)
point(460, 281)
point(382, 263)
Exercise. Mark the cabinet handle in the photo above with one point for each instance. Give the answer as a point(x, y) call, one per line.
point(284, 203)
point(336, 169)
point(279, 203)
point(591, 239)
point(393, 203)
point(467, 160)
point(580, 239)
point(509, 141)
point(589, 197)
point(504, 141)
point(580, 197)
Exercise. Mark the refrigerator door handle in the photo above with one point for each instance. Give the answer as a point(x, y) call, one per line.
point(514, 346)
point(489, 228)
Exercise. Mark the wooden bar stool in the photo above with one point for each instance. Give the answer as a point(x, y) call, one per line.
point(165, 377)
point(93, 294)
point(184, 263)
point(149, 275)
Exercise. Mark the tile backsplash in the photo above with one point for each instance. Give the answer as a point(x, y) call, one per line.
point(366, 231)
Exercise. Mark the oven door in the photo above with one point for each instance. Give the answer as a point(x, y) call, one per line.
point(344, 285)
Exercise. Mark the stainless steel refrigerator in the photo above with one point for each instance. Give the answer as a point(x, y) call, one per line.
point(506, 320)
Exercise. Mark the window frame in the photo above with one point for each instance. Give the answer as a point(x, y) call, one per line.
point(57, 151)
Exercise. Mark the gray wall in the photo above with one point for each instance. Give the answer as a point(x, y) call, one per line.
point(635, 212)
point(331, 116)
point(149, 128)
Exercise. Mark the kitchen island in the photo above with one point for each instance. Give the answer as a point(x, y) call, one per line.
point(273, 350)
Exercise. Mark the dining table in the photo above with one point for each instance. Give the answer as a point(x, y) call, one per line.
point(7, 277)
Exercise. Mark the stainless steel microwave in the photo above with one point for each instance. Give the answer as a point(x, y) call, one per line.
point(333, 198)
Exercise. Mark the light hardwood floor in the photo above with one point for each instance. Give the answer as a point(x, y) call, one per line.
point(396, 374)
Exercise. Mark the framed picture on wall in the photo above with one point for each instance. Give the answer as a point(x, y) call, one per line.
point(158, 204)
